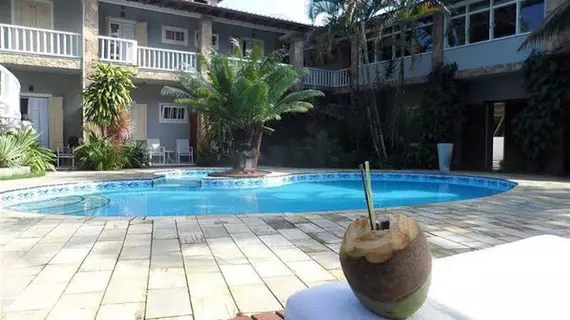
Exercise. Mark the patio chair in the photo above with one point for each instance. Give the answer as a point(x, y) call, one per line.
point(65, 153)
point(155, 150)
point(183, 149)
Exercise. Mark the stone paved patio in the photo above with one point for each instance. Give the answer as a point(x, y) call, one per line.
point(207, 267)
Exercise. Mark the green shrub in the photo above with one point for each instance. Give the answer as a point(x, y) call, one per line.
point(135, 155)
point(11, 154)
point(23, 149)
point(38, 158)
point(100, 154)
point(108, 94)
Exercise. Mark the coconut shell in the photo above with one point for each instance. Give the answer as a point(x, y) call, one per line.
point(388, 270)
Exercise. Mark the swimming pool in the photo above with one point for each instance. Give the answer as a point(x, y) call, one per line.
point(176, 193)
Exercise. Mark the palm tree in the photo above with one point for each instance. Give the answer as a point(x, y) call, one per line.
point(240, 94)
point(556, 23)
point(350, 19)
point(362, 21)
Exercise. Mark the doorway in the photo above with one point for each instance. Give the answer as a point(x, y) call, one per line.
point(33, 13)
point(498, 142)
point(36, 110)
point(120, 29)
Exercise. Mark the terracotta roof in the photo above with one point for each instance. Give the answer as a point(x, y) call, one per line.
point(230, 14)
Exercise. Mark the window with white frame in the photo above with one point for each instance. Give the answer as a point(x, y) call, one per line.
point(172, 113)
point(174, 35)
point(248, 44)
point(482, 20)
point(215, 40)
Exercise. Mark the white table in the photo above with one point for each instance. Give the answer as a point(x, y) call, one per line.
point(527, 279)
point(168, 154)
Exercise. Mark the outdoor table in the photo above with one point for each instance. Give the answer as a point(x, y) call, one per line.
point(527, 279)
point(169, 155)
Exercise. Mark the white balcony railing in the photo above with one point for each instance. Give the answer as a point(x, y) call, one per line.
point(118, 50)
point(166, 60)
point(39, 41)
point(321, 78)
point(324, 78)
point(343, 78)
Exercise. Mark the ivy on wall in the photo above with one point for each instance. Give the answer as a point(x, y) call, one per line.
point(538, 127)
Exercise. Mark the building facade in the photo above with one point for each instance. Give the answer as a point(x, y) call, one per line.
point(52, 45)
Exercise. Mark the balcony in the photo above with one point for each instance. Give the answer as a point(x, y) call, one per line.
point(24, 40)
point(124, 51)
point(324, 78)
point(490, 53)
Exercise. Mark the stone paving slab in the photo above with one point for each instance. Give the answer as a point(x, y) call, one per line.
point(214, 267)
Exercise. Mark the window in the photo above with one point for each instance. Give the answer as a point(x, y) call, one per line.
point(479, 27)
point(456, 34)
point(484, 20)
point(505, 21)
point(479, 5)
point(386, 52)
point(173, 35)
point(171, 113)
point(424, 34)
point(532, 14)
point(400, 43)
point(372, 52)
point(215, 40)
point(248, 44)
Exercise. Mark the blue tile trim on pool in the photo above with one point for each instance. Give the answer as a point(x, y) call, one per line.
point(273, 181)
point(35, 193)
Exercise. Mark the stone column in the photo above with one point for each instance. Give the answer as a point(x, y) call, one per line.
point(90, 38)
point(297, 52)
point(437, 39)
point(205, 38)
point(90, 48)
point(197, 125)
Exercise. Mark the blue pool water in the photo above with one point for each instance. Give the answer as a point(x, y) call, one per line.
point(185, 197)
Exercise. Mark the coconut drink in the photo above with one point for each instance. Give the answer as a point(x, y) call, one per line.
point(386, 261)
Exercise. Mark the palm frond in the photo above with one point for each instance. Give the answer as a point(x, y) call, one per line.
point(174, 92)
point(300, 96)
point(298, 106)
point(236, 51)
point(557, 22)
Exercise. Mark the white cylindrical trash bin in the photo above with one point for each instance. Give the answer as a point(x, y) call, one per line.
point(444, 153)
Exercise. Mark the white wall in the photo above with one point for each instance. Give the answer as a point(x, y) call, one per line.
point(9, 97)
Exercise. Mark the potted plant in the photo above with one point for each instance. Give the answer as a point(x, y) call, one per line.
point(444, 154)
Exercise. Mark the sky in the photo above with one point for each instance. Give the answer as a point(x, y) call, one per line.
point(295, 10)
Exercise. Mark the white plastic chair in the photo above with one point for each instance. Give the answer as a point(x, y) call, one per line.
point(155, 150)
point(65, 153)
point(183, 149)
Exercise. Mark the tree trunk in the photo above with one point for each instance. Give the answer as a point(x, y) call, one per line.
point(258, 138)
point(374, 118)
